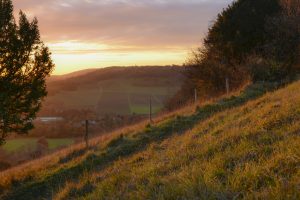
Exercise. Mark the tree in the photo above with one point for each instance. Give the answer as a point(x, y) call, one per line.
point(282, 48)
point(24, 65)
point(239, 33)
point(240, 29)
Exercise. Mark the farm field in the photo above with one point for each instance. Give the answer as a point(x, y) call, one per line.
point(18, 145)
point(106, 92)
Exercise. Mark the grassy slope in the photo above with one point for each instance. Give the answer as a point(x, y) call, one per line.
point(223, 150)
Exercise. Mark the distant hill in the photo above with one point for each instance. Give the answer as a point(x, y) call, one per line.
point(114, 90)
point(70, 75)
point(244, 146)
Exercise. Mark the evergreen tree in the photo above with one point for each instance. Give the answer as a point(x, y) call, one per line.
point(24, 65)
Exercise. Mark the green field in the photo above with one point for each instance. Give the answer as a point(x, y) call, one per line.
point(57, 143)
point(17, 145)
point(118, 97)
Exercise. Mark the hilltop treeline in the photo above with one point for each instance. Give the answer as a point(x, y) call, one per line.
point(251, 40)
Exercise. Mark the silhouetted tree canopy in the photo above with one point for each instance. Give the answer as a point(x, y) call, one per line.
point(281, 51)
point(251, 40)
point(24, 64)
point(240, 29)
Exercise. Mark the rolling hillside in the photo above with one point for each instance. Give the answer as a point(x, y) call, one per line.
point(113, 98)
point(241, 147)
point(114, 90)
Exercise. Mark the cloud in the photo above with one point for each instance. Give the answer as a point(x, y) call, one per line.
point(124, 22)
point(94, 33)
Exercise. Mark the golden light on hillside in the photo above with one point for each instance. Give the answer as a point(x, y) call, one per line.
point(74, 55)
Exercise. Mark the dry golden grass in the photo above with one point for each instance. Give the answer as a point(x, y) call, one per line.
point(224, 151)
point(49, 161)
point(250, 152)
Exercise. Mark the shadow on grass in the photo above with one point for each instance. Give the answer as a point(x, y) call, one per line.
point(123, 146)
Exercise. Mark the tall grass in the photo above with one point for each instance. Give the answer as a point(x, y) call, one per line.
point(249, 152)
point(75, 173)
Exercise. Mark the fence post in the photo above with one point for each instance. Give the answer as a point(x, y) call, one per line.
point(150, 110)
point(227, 85)
point(86, 137)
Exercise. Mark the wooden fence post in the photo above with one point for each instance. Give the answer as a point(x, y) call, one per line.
point(86, 137)
point(150, 110)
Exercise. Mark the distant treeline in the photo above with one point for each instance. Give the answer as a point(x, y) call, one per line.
point(251, 40)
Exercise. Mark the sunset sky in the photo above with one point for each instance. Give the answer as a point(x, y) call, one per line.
point(99, 33)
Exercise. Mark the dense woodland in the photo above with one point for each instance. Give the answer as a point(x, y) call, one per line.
point(250, 41)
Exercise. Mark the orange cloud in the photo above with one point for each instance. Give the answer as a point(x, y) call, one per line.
point(138, 31)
